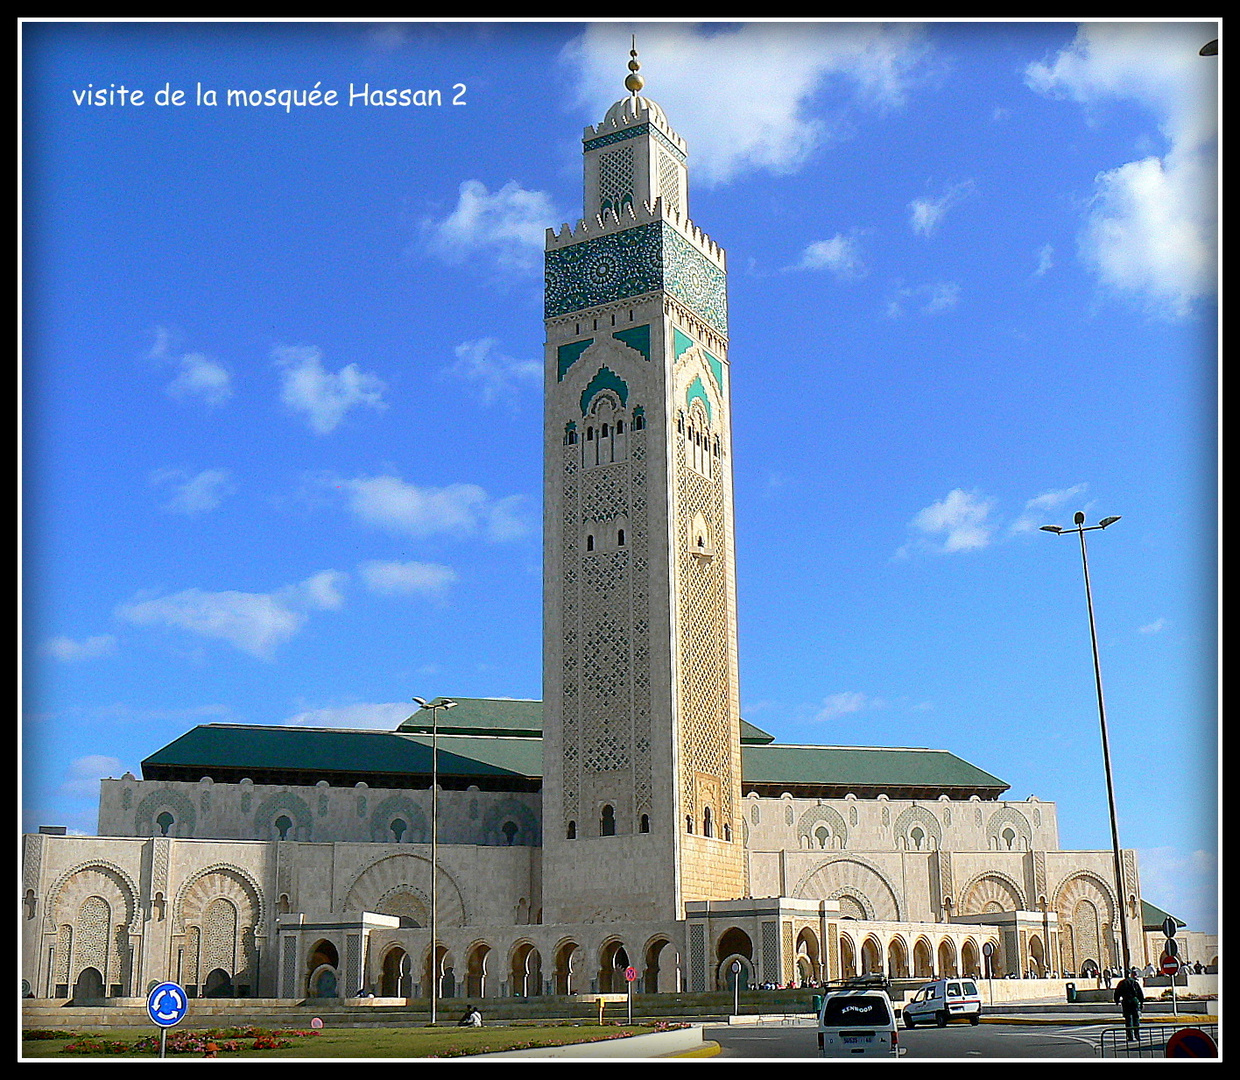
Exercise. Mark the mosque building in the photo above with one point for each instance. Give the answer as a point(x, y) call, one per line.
point(631, 819)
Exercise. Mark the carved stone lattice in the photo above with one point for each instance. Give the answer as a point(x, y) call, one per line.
point(705, 676)
point(615, 177)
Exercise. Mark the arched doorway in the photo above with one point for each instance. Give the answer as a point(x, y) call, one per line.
point(322, 974)
point(476, 970)
point(613, 959)
point(445, 986)
point(219, 984)
point(923, 959)
point(662, 971)
point(1037, 957)
point(89, 985)
point(565, 968)
point(848, 957)
point(897, 959)
point(526, 971)
point(734, 946)
point(871, 957)
point(396, 978)
point(970, 959)
point(947, 958)
point(809, 960)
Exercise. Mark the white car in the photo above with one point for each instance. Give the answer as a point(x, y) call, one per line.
point(857, 1018)
point(942, 1001)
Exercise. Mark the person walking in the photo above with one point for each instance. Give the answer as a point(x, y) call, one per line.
point(1130, 998)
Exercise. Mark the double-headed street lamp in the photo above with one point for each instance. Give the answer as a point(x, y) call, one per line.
point(1081, 529)
point(434, 707)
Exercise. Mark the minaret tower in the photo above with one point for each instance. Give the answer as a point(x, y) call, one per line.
point(642, 768)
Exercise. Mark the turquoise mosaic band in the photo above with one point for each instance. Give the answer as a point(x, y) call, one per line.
point(632, 133)
point(620, 265)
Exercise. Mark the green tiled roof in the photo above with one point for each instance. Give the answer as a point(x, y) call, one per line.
point(1152, 918)
point(512, 716)
point(482, 716)
point(863, 767)
point(231, 748)
point(497, 742)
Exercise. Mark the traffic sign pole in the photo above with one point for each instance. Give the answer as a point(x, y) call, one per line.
point(166, 1005)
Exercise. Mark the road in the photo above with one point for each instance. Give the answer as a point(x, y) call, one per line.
point(961, 1042)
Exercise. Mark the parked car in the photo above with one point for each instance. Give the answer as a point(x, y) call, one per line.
point(942, 1001)
point(857, 1018)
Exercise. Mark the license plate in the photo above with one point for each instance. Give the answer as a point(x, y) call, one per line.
point(854, 1040)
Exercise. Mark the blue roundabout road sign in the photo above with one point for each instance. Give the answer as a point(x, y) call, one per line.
point(167, 1004)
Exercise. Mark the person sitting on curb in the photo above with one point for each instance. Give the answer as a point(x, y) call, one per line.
point(472, 1018)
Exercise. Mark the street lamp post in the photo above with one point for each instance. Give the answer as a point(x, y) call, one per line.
point(1081, 529)
point(434, 707)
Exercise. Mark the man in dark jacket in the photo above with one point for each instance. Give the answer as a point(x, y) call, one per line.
point(1130, 998)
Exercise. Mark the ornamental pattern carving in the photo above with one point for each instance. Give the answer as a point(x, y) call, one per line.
point(606, 631)
point(917, 829)
point(852, 879)
point(706, 686)
point(821, 827)
point(385, 878)
point(179, 805)
point(989, 892)
point(1008, 830)
point(632, 262)
point(210, 883)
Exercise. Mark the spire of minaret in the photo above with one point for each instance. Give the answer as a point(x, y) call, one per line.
point(634, 82)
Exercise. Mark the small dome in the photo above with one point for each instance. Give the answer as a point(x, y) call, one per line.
point(626, 109)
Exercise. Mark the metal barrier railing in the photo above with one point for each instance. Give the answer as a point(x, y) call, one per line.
point(1151, 1041)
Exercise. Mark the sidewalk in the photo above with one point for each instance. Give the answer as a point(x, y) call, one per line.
point(683, 1042)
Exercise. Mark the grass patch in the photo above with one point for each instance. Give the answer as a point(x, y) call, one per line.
point(420, 1042)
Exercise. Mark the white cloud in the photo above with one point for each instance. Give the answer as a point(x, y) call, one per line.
point(926, 214)
point(958, 522)
point(1046, 260)
point(383, 716)
point(193, 495)
point(390, 503)
point(499, 377)
point(255, 623)
point(70, 651)
point(743, 96)
point(201, 377)
point(509, 226)
point(838, 705)
point(941, 296)
point(1151, 228)
point(932, 297)
point(1154, 627)
point(323, 397)
point(841, 255)
point(1040, 506)
point(82, 781)
point(198, 376)
point(407, 578)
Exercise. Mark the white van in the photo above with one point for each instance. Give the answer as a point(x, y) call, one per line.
point(943, 1000)
point(857, 1018)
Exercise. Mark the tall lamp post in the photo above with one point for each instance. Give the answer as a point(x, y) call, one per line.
point(1081, 529)
point(434, 707)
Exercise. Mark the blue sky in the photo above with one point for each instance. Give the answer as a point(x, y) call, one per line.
point(281, 402)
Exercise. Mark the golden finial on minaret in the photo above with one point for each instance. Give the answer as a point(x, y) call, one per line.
point(634, 82)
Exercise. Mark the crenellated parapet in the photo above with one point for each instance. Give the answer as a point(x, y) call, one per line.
point(610, 221)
